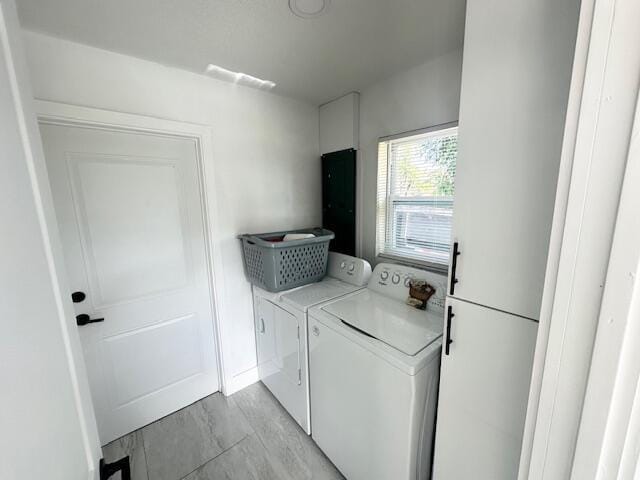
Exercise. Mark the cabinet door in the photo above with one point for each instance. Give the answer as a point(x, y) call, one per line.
point(515, 82)
point(339, 199)
point(484, 385)
point(265, 336)
point(287, 332)
point(278, 344)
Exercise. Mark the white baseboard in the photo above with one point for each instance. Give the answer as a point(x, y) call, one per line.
point(240, 381)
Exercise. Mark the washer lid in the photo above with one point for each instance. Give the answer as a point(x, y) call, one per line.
point(309, 295)
point(398, 325)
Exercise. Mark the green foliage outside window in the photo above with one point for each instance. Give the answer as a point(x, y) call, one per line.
point(432, 171)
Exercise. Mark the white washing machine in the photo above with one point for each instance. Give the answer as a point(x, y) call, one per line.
point(281, 331)
point(375, 367)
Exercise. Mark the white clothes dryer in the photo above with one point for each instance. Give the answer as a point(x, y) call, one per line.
point(281, 331)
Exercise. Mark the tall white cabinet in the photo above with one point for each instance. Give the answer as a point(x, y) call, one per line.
point(515, 81)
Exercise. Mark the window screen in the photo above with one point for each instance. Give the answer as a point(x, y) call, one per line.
point(416, 185)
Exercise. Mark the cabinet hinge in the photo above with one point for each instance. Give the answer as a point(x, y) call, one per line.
point(299, 376)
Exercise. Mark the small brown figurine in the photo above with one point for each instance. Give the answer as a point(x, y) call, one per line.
point(419, 293)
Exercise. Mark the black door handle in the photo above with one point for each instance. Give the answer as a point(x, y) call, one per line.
point(84, 319)
point(447, 338)
point(454, 264)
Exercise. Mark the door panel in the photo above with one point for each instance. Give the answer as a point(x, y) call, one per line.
point(117, 201)
point(512, 111)
point(281, 354)
point(150, 371)
point(278, 344)
point(130, 214)
point(287, 344)
point(339, 199)
point(484, 389)
point(265, 336)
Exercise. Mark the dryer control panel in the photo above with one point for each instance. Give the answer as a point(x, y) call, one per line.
point(353, 270)
point(393, 280)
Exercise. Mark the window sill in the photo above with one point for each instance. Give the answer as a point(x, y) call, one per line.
point(412, 262)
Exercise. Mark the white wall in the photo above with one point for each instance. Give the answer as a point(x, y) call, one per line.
point(340, 123)
point(46, 417)
point(265, 155)
point(417, 98)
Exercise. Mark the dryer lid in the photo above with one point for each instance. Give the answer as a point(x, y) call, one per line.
point(400, 326)
point(323, 291)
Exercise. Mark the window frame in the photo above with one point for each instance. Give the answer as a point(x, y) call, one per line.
point(389, 200)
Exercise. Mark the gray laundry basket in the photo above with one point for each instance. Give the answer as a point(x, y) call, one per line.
point(275, 265)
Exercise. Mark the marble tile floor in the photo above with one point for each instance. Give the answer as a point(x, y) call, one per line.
point(247, 436)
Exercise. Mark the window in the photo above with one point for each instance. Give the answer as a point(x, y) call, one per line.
point(416, 176)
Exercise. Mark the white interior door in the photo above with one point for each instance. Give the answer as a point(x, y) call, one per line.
point(131, 220)
point(484, 385)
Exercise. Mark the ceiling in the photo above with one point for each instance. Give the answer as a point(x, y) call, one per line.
point(354, 44)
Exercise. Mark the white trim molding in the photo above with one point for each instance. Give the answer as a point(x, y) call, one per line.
point(609, 435)
point(598, 131)
point(242, 380)
point(66, 114)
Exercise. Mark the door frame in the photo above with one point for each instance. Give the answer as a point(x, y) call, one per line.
point(600, 115)
point(609, 432)
point(64, 114)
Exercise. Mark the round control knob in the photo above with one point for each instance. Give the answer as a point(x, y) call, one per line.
point(384, 275)
point(407, 281)
point(396, 278)
point(343, 264)
point(352, 267)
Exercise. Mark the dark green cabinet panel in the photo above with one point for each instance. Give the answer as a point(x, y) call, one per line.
point(339, 199)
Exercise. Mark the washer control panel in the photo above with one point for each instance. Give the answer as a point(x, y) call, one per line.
point(393, 281)
point(353, 270)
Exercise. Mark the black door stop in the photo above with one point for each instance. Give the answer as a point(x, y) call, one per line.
point(108, 469)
